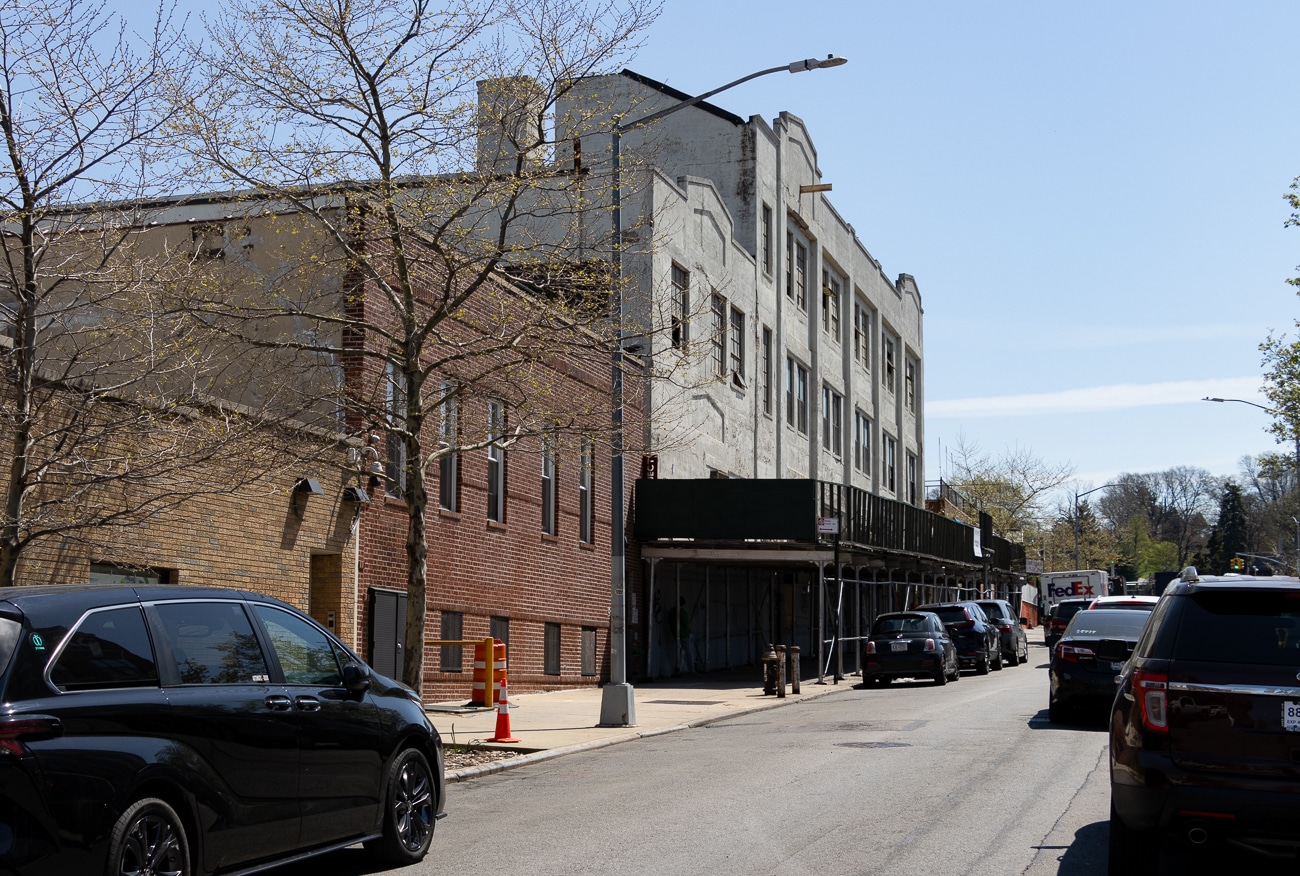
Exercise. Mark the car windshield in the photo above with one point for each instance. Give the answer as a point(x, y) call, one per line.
point(1107, 624)
point(1067, 610)
point(951, 614)
point(992, 609)
point(901, 624)
point(1227, 626)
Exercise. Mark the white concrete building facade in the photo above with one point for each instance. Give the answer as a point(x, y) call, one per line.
point(781, 349)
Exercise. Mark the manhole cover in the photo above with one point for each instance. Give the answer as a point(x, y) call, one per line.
point(687, 702)
point(872, 745)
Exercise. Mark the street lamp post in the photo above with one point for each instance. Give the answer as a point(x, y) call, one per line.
point(1077, 497)
point(617, 704)
point(1268, 410)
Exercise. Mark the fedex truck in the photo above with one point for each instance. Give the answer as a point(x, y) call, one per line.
point(1085, 583)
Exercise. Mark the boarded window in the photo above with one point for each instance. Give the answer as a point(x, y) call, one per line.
point(588, 650)
point(551, 657)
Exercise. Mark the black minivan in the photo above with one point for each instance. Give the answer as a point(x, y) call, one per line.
point(191, 730)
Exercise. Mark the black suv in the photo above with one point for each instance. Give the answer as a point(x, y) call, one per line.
point(192, 730)
point(1059, 615)
point(977, 640)
point(1205, 729)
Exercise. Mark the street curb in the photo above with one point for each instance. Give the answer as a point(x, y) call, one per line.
point(500, 766)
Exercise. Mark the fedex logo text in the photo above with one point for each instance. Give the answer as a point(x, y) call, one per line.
point(1070, 588)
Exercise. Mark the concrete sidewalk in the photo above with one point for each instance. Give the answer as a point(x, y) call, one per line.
point(561, 722)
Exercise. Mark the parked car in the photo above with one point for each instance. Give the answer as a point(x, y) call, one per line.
point(1205, 729)
point(1084, 662)
point(189, 730)
point(1012, 637)
point(910, 644)
point(1059, 615)
point(1139, 603)
point(977, 640)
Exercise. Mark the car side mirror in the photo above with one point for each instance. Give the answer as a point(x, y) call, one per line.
point(355, 679)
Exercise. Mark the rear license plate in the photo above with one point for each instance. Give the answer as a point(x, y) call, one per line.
point(1291, 716)
point(898, 646)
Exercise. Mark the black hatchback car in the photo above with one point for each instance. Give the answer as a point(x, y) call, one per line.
point(1205, 730)
point(977, 640)
point(909, 644)
point(187, 730)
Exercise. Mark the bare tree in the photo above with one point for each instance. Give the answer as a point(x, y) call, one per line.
point(101, 398)
point(411, 141)
point(1012, 488)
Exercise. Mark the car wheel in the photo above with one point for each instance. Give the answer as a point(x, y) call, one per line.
point(1013, 659)
point(982, 665)
point(956, 672)
point(149, 838)
point(408, 812)
point(941, 677)
point(996, 660)
point(1131, 852)
point(1055, 712)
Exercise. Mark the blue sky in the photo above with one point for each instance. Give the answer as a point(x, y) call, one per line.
point(1090, 197)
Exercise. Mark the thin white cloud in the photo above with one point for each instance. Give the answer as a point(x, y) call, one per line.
point(1097, 398)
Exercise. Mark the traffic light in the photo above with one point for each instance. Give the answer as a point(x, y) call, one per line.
point(1237, 564)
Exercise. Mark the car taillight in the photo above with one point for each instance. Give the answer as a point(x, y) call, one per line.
point(1006, 628)
point(1074, 653)
point(15, 731)
point(1151, 690)
point(929, 644)
point(871, 647)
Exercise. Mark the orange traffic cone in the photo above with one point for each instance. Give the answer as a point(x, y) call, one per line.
point(503, 718)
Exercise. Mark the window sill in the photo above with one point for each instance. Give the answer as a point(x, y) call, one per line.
point(547, 538)
point(446, 514)
point(586, 546)
point(497, 527)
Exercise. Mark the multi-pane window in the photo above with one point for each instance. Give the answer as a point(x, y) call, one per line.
point(767, 370)
point(862, 333)
point(586, 495)
point(680, 306)
point(718, 338)
point(909, 383)
point(737, 347)
point(831, 289)
point(890, 472)
point(889, 372)
point(766, 232)
point(911, 478)
point(796, 395)
point(789, 265)
point(548, 486)
point(499, 628)
point(861, 442)
point(450, 626)
point(832, 420)
point(496, 509)
point(800, 275)
point(449, 464)
point(395, 410)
